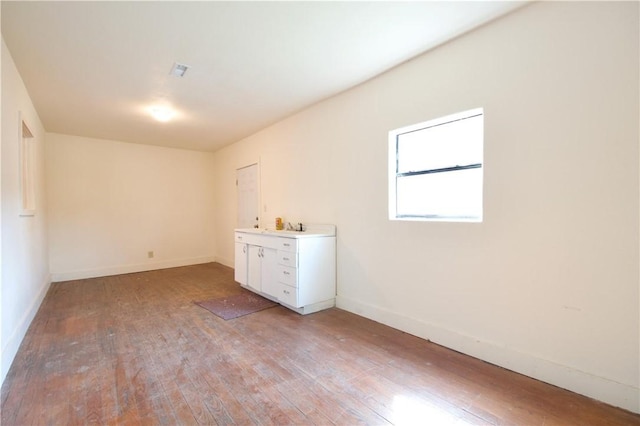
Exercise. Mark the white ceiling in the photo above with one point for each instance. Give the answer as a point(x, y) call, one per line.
point(94, 68)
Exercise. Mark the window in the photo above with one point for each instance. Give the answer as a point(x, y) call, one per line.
point(27, 171)
point(435, 169)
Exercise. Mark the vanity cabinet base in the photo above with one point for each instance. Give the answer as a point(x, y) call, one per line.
point(299, 272)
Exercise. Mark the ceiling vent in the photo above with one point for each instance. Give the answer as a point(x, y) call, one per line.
point(178, 70)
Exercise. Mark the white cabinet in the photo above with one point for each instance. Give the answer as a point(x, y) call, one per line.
point(306, 272)
point(254, 267)
point(261, 269)
point(296, 269)
point(240, 273)
point(268, 271)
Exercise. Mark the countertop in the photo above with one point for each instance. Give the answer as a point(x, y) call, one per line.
point(310, 231)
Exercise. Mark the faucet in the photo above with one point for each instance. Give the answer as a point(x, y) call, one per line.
point(298, 228)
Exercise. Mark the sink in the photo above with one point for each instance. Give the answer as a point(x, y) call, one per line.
point(310, 231)
point(270, 231)
point(278, 232)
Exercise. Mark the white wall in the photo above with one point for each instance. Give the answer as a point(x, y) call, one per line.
point(548, 284)
point(113, 202)
point(2, 369)
point(25, 270)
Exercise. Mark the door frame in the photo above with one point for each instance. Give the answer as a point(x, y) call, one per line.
point(258, 187)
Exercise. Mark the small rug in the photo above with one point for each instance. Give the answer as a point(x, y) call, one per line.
point(235, 306)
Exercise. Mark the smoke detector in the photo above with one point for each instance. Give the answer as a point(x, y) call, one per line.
point(178, 69)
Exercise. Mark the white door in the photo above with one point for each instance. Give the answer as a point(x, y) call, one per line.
point(248, 196)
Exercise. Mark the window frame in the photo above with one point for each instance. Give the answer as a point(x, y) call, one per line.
point(26, 167)
point(394, 174)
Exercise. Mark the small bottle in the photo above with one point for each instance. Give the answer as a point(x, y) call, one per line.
point(279, 226)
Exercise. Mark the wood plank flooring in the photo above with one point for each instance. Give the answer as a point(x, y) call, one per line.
point(135, 349)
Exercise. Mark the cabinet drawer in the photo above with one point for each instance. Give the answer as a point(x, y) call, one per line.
point(288, 295)
point(288, 275)
point(287, 258)
point(287, 244)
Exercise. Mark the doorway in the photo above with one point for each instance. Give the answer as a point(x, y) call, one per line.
point(248, 190)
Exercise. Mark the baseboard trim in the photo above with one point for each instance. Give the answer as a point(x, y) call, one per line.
point(600, 388)
point(10, 350)
point(128, 269)
point(226, 262)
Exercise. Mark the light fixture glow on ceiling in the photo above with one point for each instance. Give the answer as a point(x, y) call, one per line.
point(162, 113)
point(178, 70)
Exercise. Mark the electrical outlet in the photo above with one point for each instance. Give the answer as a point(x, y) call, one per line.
point(150, 255)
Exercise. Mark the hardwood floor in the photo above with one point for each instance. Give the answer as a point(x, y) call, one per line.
point(135, 349)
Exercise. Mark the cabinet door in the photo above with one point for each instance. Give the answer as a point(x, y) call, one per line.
point(270, 284)
point(255, 267)
point(240, 264)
